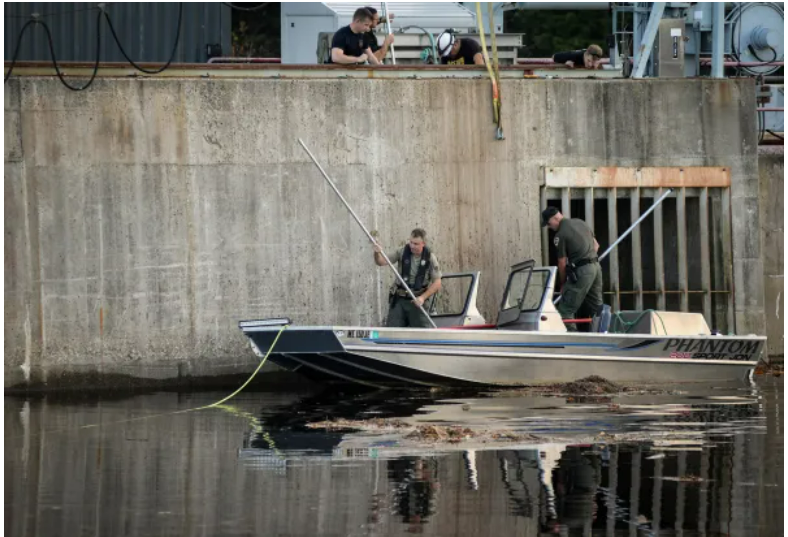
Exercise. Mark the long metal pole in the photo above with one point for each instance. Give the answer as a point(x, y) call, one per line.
point(388, 29)
point(635, 224)
point(366, 231)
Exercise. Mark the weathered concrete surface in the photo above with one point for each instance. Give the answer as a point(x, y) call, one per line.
point(771, 165)
point(144, 218)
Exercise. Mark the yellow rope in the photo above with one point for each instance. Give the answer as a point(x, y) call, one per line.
point(496, 64)
point(487, 61)
point(245, 384)
point(217, 404)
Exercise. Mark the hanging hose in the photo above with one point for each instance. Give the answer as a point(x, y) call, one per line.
point(494, 82)
point(496, 68)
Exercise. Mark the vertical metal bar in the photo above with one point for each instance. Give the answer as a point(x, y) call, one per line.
point(727, 257)
point(717, 39)
point(656, 509)
point(637, 34)
point(719, 301)
point(545, 236)
point(566, 202)
point(646, 45)
point(612, 235)
point(634, 493)
point(681, 225)
point(612, 492)
point(703, 495)
point(705, 259)
point(637, 264)
point(589, 207)
point(614, 55)
point(680, 493)
point(659, 260)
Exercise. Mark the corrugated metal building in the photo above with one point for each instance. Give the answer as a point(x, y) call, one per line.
point(147, 31)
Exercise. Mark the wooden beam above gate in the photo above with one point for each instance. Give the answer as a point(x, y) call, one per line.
point(646, 177)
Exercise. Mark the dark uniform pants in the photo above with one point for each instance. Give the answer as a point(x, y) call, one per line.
point(403, 313)
point(587, 290)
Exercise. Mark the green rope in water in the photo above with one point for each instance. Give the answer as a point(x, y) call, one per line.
point(218, 404)
point(629, 325)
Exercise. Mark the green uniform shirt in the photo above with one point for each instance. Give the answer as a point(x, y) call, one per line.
point(415, 262)
point(575, 240)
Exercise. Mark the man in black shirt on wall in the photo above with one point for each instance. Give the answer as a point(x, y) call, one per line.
point(348, 46)
point(590, 58)
point(454, 50)
point(371, 40)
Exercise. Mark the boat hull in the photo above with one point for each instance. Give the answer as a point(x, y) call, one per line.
point(382, 357)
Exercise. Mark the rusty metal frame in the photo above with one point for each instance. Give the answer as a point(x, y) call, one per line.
point(276, 71)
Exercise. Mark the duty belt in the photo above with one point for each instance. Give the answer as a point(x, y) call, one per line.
point(402, 293)
point(584, 262)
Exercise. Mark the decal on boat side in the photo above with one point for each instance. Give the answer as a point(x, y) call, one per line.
point(711, 349)
point(358, 334)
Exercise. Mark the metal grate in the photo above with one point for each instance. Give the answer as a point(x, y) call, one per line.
point(678, 259)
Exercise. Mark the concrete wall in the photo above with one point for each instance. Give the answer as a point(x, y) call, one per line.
point(771, 165)
point(144, 218)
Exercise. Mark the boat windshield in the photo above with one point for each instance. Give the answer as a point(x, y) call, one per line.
point(514, 293)
point(452, 297)
point(535, 292)
point(526, 289)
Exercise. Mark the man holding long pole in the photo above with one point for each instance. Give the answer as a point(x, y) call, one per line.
point(420, 269)
point(379, 254)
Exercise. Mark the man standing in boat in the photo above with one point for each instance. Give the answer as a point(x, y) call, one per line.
point(579, 273)
point(420, 268)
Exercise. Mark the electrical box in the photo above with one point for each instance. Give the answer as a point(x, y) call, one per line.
point(669, 53)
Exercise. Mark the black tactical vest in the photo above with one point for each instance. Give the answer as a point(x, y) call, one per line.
point(419, 285)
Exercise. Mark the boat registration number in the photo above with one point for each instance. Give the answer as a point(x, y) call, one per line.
point(357, 334)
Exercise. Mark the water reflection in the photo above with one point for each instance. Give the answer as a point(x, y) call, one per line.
point(712, 465)
point(416, 485)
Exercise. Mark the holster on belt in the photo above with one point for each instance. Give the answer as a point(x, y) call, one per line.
point(571, 275)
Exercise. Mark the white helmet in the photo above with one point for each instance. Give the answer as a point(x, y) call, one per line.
point(445, 43)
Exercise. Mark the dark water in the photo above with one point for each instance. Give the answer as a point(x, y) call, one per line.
point(702, 462)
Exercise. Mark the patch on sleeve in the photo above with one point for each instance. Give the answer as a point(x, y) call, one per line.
point(555, 241)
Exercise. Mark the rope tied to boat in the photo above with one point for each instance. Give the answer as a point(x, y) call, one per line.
point(218, 404)
point(630, 325)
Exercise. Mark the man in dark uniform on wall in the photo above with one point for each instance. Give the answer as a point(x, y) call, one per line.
point(348, 45)
point(371, 39)
point(455, 50)
point(590, 58)
point(579, 273)
point(419, 267)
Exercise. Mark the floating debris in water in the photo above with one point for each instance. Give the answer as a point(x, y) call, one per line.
point(593, 385)
point(452, 434)
point(341, 424)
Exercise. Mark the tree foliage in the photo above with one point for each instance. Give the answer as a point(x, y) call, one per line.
point(257, 34)
point(547, 32)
